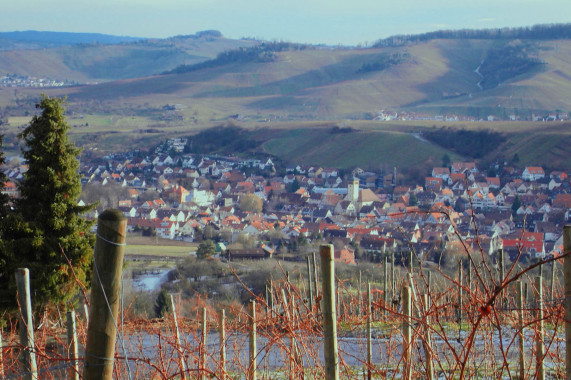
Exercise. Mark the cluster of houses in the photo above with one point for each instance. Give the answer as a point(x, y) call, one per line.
point(384, 115)
point(25, 81)
point(178, 196)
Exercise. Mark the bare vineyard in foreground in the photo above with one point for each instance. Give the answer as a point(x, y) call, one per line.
point(484, 322)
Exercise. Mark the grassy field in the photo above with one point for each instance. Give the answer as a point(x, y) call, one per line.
point(158, 250)
point(368, 149)
point(154, 246)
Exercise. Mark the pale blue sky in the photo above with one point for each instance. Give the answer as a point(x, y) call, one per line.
point(314, 21)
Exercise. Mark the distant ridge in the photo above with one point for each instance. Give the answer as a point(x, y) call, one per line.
point(54, 39)
point(536, 32)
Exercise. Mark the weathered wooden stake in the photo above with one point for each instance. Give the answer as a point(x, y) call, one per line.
point(470, 275)
point(501, 263)
point(460, 294)
point(338, 301)
point(386, 287)
point(393, 274)
point(72, 346)
point(253, 349)
point(105, 287)
point(86, 312)
point(329, 314)
point(309, 284)
point(286, 305)
point(28, 356)
point(521, 332)
point(503, 298)
point(539, 345)
point(553, 280)
point(567, 277)
point(1, 356)
point(182, 362)
point(429, 282)
point(427, 342)
point(407, 333)
point(222, 327)
point(203, 344)
point(272, 299)
point(360, 297)
point(267, 299)
point(315, 278)
point(410, 264)
point(369, 335)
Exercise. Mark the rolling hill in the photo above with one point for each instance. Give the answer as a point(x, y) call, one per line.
point(435, 77)
point(89, 58)
point(206, 80)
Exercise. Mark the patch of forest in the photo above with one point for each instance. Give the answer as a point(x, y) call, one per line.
point(508, 61)
point(474, 144)
point(223, 139)
point(264, 52)
point(383, 62)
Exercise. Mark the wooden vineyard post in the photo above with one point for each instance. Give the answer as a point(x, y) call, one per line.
point(182, 362)
point(539, 345)
point(407, 333)
point(339, 304)
point(271, 300)
point(553, 281)
point(501, 255)
point(28, 356)
point(329, 314)
point(253, 349)
point(521, 332)
point(222, 332)
point(470, 275)
point(369, 335)
point(86, 312)
point(267, 299)
point(567, 277)
point(203, 345)
point(105, 287)
point(315, 278)
point(427, 341)
point(393, 273)
point(1, 356)
point(410, 264)
point(386, 288)
point(309, 284)
point(72, 345)
point(429, 290)
point(360, 296)
point(460, 294)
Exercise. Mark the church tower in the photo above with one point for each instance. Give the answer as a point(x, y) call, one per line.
point(353, 190)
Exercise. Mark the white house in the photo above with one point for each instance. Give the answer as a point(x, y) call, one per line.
point(532, 173)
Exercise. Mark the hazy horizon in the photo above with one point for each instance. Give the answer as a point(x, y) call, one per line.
point(319, 21)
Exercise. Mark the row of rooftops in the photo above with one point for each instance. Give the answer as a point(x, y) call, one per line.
point(372, 209)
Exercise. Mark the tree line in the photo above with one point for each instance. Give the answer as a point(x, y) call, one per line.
point(264, 52)
point(45, 229)
point(536, 32)
point(475, 144)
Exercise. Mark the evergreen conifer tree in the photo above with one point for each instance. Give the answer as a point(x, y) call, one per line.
point(162, 304)
point(49, 233)
point(4, 198)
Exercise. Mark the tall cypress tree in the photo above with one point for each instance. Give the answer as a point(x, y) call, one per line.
point(4, 199)
point(55, 242)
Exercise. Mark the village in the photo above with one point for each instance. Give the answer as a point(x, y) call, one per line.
point(176, 195)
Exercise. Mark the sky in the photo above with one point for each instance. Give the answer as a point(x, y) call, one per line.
point(329, 22)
